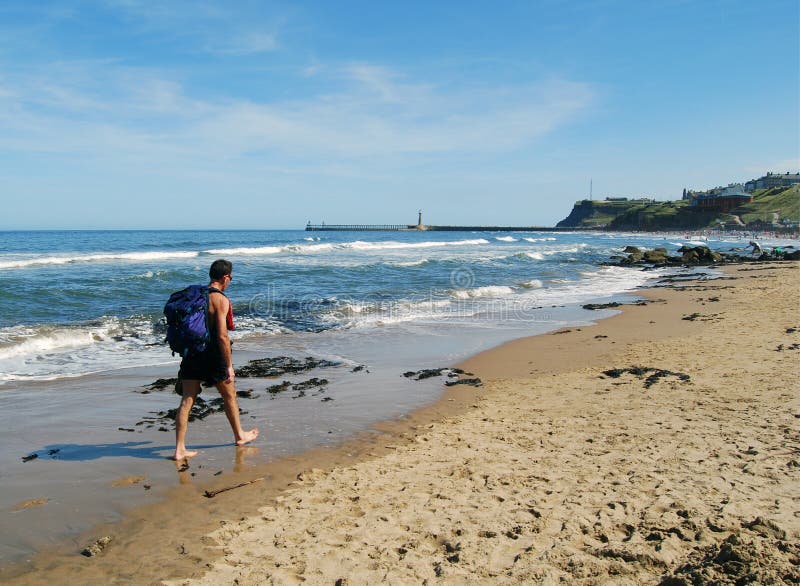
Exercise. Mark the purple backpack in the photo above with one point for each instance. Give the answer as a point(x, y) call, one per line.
point(187, 320)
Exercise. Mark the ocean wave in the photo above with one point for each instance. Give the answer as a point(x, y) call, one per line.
point(410, 263)
point(487, 291)
point(357, 245)
point(605, 282)
point(505, 238)
point(565, 250)
point(106, 256)
point(308, 248)
point(392, 245)
point(147, 275)
point(246, 250)
point(47, 343)
point(530, 255)
point(361, 314)
point(13, 334)
point(35, 342)
point(54, 352)
point(549, 239)
point(532, 284)
point(248, 325)
point(542, 254)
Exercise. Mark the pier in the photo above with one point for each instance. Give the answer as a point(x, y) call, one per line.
point(412, 228)
point(420, 227)
point(357, 227)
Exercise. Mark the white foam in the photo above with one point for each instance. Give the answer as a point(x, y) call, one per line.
point(303, 249)
point(539, 239)
point(105, 256)
point(410, 263)
point(52, 353)
point(363, 315)
point(392, 245)
point(532, 284)
point(494, 302)
point(568, 250)
point(308, 248)
point(593, 285)
point(246, 250)
point(506, 238)
point(358, 245)
point(48, 343)
point(488, 291)
point(356, 308)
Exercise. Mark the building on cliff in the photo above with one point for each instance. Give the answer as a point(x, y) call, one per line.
point(771, 180)
point(721, 200)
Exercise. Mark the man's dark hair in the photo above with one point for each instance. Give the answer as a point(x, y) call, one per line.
point(220, 268)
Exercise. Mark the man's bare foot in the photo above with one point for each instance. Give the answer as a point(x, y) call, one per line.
point(247, 437)
point(184, 455)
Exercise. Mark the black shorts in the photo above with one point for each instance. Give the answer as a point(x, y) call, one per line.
point(208, 367)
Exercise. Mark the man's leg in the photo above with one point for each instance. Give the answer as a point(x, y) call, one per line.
point(190, 390)
point(228, 392)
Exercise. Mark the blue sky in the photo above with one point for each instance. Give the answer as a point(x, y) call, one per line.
point(140, 114)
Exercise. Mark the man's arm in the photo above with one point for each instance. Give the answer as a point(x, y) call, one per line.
point(219, 306)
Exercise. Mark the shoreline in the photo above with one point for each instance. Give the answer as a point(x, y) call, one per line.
point(569, 352)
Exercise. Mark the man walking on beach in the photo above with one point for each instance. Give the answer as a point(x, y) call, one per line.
point(213, 366)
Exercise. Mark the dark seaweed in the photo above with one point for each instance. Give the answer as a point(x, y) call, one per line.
point(655, 375)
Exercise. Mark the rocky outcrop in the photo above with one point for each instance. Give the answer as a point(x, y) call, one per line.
point(655, 257)
point(697, 255)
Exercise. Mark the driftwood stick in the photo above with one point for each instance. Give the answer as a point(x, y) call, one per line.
point(213, 493)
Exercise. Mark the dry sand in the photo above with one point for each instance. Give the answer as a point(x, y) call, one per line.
point(554, 471)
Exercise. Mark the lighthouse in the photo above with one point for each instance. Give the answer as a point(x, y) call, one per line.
point(420, 225)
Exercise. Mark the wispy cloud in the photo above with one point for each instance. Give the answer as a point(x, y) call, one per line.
point(379, 116)
point(212, 27)
point(108, 111)
point(347, 113)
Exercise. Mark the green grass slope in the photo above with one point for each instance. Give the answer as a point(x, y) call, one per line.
point(768, 205)
point(785, 202)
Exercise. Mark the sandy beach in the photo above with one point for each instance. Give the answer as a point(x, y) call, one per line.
point(661, 445)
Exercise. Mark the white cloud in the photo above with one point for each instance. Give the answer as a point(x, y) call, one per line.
point(379, 80)
point(216, 28)
point(107, 111)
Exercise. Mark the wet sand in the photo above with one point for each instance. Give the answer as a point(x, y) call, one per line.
point(683, 461)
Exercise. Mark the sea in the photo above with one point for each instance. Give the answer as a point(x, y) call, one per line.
point(82, 337)
point(81, 302)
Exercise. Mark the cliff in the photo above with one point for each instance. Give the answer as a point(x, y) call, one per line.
point(768, 206)
point(594, 214)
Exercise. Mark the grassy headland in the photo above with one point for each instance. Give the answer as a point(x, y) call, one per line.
point(768, 206)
